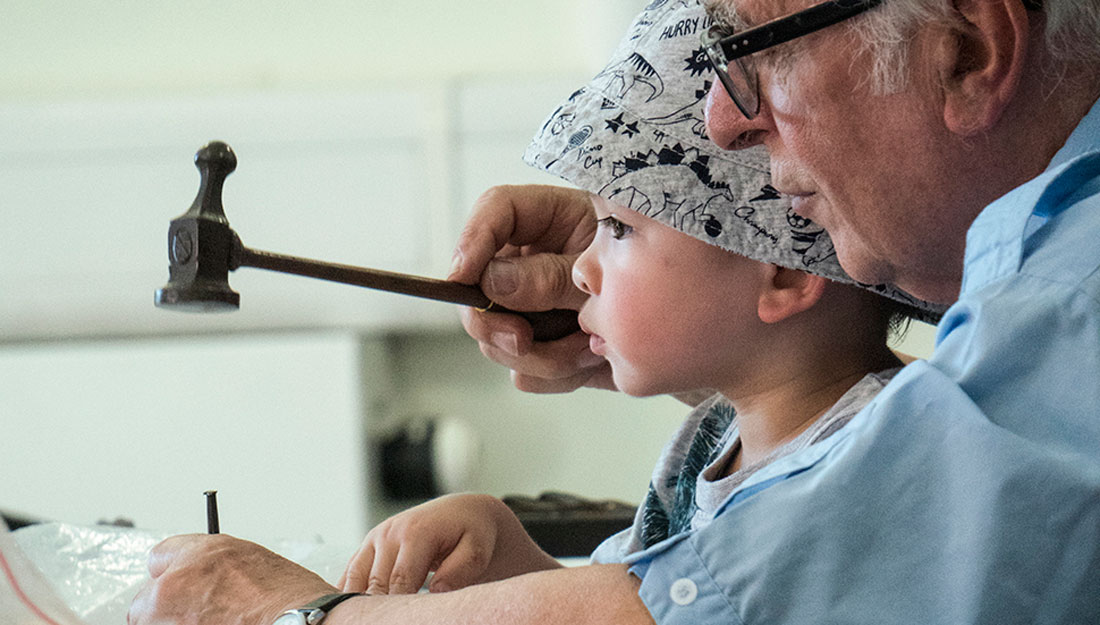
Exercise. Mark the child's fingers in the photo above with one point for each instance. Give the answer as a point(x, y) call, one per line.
point(378, 583)
point(465, 564)
point(411, 567)
point(356, 574)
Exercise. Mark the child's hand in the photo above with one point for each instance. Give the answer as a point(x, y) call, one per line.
point(465, 539)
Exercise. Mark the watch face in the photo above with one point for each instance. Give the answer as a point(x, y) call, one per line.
point(291, 618)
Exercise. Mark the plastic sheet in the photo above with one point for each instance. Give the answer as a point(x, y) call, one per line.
point(77, 575)
point(95, 570)
point(26, 598)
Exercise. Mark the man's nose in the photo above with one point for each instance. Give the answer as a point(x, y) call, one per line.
point(727, 126)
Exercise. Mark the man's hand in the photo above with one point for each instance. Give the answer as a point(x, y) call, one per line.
point(519, 244)
point(206, 579)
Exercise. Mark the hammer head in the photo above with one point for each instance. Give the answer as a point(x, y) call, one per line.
point(202, 248)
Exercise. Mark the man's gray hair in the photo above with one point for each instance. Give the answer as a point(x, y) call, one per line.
point(1072, 34)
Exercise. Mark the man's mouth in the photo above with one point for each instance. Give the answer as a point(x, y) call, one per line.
point(800, 198)
point(802, 204)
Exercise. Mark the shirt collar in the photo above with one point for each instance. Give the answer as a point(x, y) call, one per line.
point(995, 242)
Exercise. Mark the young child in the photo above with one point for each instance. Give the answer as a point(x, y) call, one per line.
point(699, 276)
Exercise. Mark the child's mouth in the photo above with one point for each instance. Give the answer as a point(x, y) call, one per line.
point(596, 344)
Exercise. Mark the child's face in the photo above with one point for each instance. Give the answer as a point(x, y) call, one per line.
point(668, 311)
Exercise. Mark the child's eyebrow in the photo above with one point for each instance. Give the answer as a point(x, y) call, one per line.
point(597, 206)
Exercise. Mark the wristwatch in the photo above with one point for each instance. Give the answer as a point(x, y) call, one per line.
point(314, 611)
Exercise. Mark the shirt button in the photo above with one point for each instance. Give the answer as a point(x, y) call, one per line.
point(683, 591)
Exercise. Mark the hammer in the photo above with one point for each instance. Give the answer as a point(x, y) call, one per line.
point(203, 249)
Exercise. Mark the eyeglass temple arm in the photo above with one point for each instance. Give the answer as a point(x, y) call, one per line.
point(784, 29)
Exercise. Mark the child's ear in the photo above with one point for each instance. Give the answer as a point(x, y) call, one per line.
point(787, 292)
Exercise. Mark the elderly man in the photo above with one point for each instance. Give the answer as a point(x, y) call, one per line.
point(951, 147)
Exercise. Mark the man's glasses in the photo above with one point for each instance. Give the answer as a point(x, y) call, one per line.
point(729, 52)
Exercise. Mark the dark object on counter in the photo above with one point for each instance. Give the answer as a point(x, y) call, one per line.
point(15, 520)
point(568, 526)
point(203, 249)
point(118, 521)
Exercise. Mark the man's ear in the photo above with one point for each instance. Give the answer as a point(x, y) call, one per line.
point(787, 292)
point(981, 62)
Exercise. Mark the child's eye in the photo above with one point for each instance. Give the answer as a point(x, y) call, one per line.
point(618, 228)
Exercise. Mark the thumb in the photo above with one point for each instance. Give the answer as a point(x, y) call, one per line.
point(533, 283)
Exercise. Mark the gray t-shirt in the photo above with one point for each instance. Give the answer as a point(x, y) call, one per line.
point(684, 494)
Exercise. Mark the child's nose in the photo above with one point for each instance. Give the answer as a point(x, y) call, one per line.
point(586, 273)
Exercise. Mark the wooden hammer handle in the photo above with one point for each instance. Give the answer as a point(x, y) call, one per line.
point(548, 325)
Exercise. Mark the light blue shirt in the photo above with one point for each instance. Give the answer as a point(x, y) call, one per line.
point(968, 491)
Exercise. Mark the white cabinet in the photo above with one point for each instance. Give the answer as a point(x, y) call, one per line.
point(140, 428)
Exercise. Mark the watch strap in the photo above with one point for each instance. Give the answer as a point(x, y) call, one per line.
point(318, 608)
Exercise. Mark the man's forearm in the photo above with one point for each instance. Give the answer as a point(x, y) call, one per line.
point(597, 595)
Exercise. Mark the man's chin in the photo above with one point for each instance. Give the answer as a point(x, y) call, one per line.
point(944, 291)
point(867, 270)
point(862, 267)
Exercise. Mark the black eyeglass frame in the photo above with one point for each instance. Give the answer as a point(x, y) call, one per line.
point(723, 49)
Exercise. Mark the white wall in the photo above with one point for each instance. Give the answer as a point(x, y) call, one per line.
point(70, 47)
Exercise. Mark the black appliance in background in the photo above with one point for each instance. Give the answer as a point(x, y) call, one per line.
point(564, 525)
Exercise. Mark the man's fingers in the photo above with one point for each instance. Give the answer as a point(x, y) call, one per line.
point(552, 360)
point(595, 377)
point(553, 219)
point(510, 333)
point(535, 282)
point(530, 283)
point(166, 551)
point(139, 605)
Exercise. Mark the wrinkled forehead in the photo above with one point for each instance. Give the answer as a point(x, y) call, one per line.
point(742, 14)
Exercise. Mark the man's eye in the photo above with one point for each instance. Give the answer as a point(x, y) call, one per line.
point(618, 228)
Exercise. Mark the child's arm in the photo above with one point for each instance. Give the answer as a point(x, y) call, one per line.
point(466, 539)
